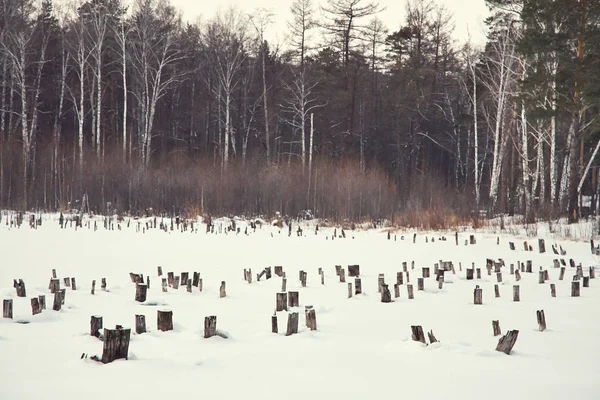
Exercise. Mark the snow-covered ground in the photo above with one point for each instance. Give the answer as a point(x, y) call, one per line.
point(361, 350)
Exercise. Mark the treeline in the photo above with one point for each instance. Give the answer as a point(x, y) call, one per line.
point(105, 107)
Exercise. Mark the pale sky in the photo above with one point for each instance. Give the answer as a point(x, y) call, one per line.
point(468, 14)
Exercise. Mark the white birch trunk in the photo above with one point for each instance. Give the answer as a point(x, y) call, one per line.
point(266, 110)
point(525, 161)
point(553, 159)
point(124, 61)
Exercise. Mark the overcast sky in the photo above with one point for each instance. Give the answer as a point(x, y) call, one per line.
point(468, 14)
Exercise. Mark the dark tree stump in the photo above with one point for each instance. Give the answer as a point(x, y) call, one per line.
point(353, 270)
point(268, 273)
point(164, 320)
point(541, 319)
point(417, 333)
point(170, 278)
point(517, 275)
point(274, 328)
point(511, 245)
point(53, 273)
point(67, 282)
point(159, 270)
point(556, 263)
point(525, 246)
point(399, 278)
point(164, 285)
point(116, 344)
point(311, 318)
point(472, 239)
point(546, 275)
point(529, 268)
point(512, 269)
point(386, 296)
point(56, 306)
point(42, 301)
point(73, 284)
point(499, 277)
point(222, 292)
point(497, 291)
point(478, 270)
point(478, 295)
point(20, 287)
point(322, 277)
point(380, 282)
point(63, 295)
point(404, 266)
point(441, 282)
point(586, 281)
point(420, 284)
point(292, 324)
point(189, 286)
point(507, 342)
point(338, 268)
point(411, 294)
point(95, 325)
point(278, 270)
point(426, 272)
point(357, 286)
point(562, 273)
point(469, 274)
point(200, 286)
point(197, 277)
point(303, 278)
point(210, 326)
point(542, 277)
point(141, 290)
point(575, 289)
point(93, 287)
point(516, 293)
point(350, 289)
point(54, 285)
point(283, 284)
point(496, 328)
point(175, 282)
point(293, 299)
point(35, 306)
point(432, 338)
point(396, 291)
point(103, 283)
point(281, 302)
point(7, 308)
point(592, 273)
point(184, 278)
point(542, 246)
point(553, 290)
point(342, 276)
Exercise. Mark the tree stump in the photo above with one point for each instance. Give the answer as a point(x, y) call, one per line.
point(542, 246)
point(342, 276)
point(222, 292)
point(529, 268)
point(562, 273)
point(42, 300)
point(281, 302)
point(542, 277)
point(56, 306)
point(478, 295)
point(478, 270)
point(469, 274)
point(159, 270)
point(417, 333)
point(268, 273)
point(497, 291)
point(292, 324)
point(541, 320)
point(189, 286)
point(283, 284)
point(35, 306)
point(274, 327)
point(293, 299)
point(404, 266)
point(586, 281)
point(73, 284)
point(184, 278)
point(472, 239)
point(116, 344)
point(517, 275)
point(426, 272)
point(53, 273)
point(432, 338)
point(210, 326)
point(175, 282)
point(7, 308)
point(141, 290)
point(511, 245)
point(164, 285)
point(278, 270)
point(353, 270)
point(338, 268)
point(303, 278)
point(170, 278)
point(20, 287)
point(357, 286)
point(499, 277)
point(592, 273)
point(311, 318)
point(196, 277)
point(575, 289)
point(103, 283)
point(420, 284)
point(322, 277)
point(349, 289)
point(399, 278)
point(386, 296)
point(396, 291)
point(516, 293)
point(200, 286)
point(95, 325)
point(164, 320)
point(411, 294)
point(63, 295)
point(496, 328)
point(441, 282)
point(507, 342)
point(380, 282)
point(54, 285)
point(67, 282)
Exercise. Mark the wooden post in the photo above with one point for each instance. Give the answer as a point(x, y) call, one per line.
point(222, 292)
point(95, 325)
point(478, 295)
point(426, 272)
point(73, 284)
point(42, 300)
point(7, 308)
point(441, 282)
point(516, 293)
point(35, 306)
point(507, 342)
point(420, 284)
point(184, 278)
point(586, 281)
point(188, 286)
point(512, 269)
point(56, 306)
point(164, 320)
point(553, 290)
point(268, 273)
point(562, 273)
point(283, 284)
point(357, 286)
point(396, 291)
point(575, 289)
point(116, 344)
point(511, 245)
point(404, 266)
point(542, 277)
point(472, 239)
point(322, 277)
point(311, 318)
point(141, 289)
point(497, 291)
point(496, 328)
point(293, 299)
point(210, 326)
point(409, 288)
point(417, 333)
point(292, 324)
point(281, 302)
point(159, 270)
point(274, 327)
point(541, 319)
point(386, 296)
point(170, 278)
point(349, 289)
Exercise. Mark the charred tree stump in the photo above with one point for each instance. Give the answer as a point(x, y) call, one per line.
point(542, 246)
point(7, 308)
point(575, 289)
point(357, 286)
point(73, 284)
point(432, 338)
point(496, 328)
point(472, 239)
point(511, 245)
point(411, 294)
point(95, 325)
point(293, 299)
point(338, 268)
point(499, 277)
point(399, 278)
point(278, 270)
point(469, 274)
point(189, 286)
point(441, 282)
point(478, 295)
point(184, 278)
point(542, 277)
point(541, 320)
point(417, 333)
point(103, 283)
point(516, 293)
point(281, 302)
point(274, 328)
point(292, 324)
point(56, 306)
point(196, 277)
point(54, 285)
point(420, 284)
point(164, 285)
point(63, 295)
point(67, 282)
point(404, 266)
point(497, 291)
point(53, 273)
point(20, 287)
point(159, 271)
point(478, 270)
point(311, 318)
point(517, 275)
point(42, 300)
point(529, 267)
point(222, 292)
point(141, 290)
point(303, 278)
point(342, 276)
point(386, 296)
point(380, 282)
point(586, 281)
point(164, 320)
point(283, 284)
point(396, 291)
point(426, 272)
point(268, 273)
point(35, 306)
point(592, 273)
point(116, 344)
point(200, 285)
point(210, 326)
point(322, 277)
point(507, 342)
point(512, 269)
point(353, 270)
point(140, 324)
point(553, 290)
point(170, 278)
point(175, 282)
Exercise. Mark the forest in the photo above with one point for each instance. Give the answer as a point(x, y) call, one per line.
point(112, 107)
